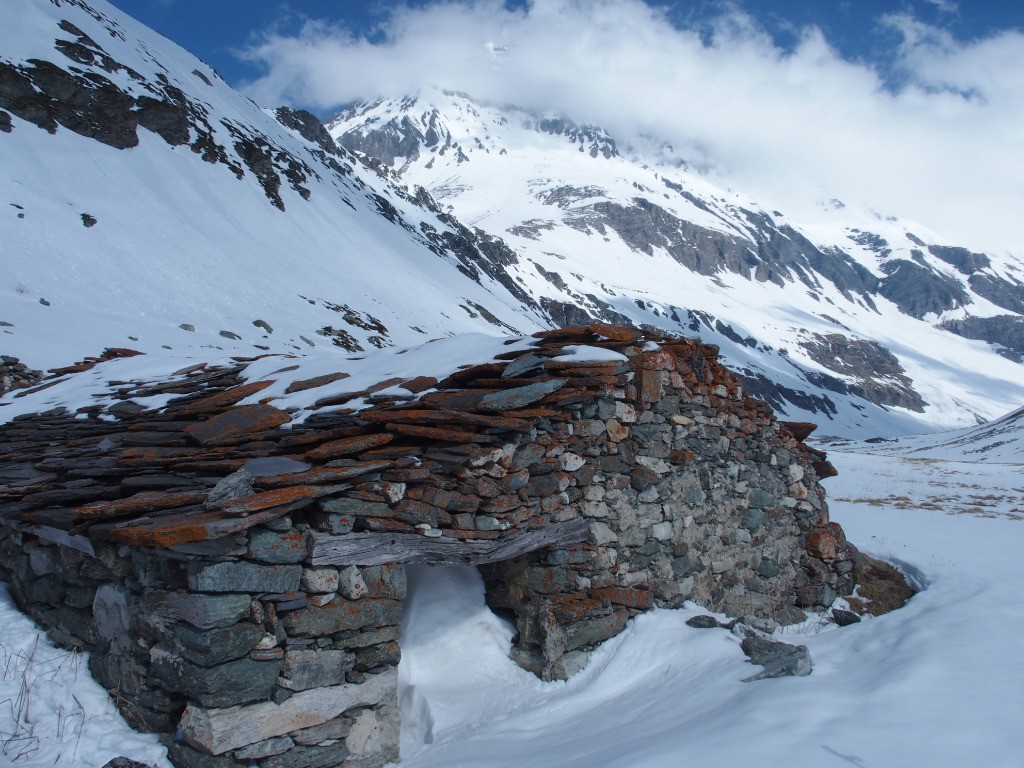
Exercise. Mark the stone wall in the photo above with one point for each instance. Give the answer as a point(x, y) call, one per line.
point(14, 374)
point(240, 583)
point(215, 648)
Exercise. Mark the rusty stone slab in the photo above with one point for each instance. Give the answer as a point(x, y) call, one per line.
point(349, 445)
point(140, 503)
point(650, 385)
point(537, 413)
point(658, 360)
point(459, 400)
point(468, 374)
point(614, 332)
point(576, 606)
point(447, 416)
point(640, 599)
point(826, 541)
point(222, 399)
point(322, 475)
point(824, 469)
point(579, 333)
point(385, 384)
point(236, 424)
point(310, 437)
point(165, 531)
point(292, 497)
point(800, 430)
point(440, 434)
point(419, 384)
point(317, 381)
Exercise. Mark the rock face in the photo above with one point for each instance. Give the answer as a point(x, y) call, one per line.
point(599, 474)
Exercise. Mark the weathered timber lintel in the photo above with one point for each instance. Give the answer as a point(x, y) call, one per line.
point(384, 548)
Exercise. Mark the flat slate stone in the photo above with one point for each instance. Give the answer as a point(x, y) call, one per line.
point(307, 669)
point(243, 577)
point(291, 498)
point(140, 503)
point(349, 445)
point(220, 399)
point(341, 615)
point(274, 465)
point(800, 430)
point(524, 364)
point(225, 685)
point(276, 547)
point(317, 381)
point(201, 611)
point(520, 397)
point(189, 526)
point(321, 475)
point(237, 424)
point(210, 647)
point(216, 731)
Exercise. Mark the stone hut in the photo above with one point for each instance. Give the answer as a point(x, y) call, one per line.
point(239, 579)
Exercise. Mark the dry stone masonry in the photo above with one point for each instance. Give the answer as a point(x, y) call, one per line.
point(239, 579)
point(14, 374)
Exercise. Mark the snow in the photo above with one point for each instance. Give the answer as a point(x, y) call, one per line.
point(997, 441)
point(52, 713)
point(585, 353)
point(935, 683)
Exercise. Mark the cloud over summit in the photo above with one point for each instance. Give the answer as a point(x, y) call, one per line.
point(940, 142)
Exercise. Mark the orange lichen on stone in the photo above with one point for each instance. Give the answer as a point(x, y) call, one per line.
point(221, 399)
point(317, 381)
point(237, 424)
point(140, 503)
point(348, 445)
point(438, 433)
point(826, 541)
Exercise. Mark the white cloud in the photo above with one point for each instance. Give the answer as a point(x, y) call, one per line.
point(945, 6)
point(791, 127)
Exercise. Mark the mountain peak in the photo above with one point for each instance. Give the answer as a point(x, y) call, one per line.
point(452, 127)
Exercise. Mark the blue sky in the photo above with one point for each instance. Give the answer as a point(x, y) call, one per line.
point(216, 30)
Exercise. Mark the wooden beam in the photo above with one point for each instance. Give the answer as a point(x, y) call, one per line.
point(384, 548)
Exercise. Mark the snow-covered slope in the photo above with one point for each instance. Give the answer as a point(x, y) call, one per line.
point(146, 204)
point(1000, 441)
point(848, 318)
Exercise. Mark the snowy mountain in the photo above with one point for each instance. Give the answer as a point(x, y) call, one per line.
point(150, 206)
point(146, 204)
point(867, 321)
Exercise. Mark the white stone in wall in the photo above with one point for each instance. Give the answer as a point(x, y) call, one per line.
point(216, 731)
point(570, 462)
point(602, 534)
point(351, 583)
point(320, 580)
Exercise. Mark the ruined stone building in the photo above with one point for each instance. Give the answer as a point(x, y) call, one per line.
point(239, 579)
